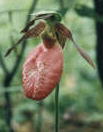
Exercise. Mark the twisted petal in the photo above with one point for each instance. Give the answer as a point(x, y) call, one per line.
point(33, 32)
point(67, 33)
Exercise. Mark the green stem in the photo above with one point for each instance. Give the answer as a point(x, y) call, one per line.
point(57, 109)
point(39, 117)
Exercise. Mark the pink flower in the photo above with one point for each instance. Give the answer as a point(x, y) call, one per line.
point(42, 71)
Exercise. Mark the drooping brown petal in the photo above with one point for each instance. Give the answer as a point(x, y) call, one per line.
point(84, 54)
point(13, 47)
point(26, 28)
point(34, 32)
point(67, 33)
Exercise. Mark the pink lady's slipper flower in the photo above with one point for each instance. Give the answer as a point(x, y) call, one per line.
point(43, 66)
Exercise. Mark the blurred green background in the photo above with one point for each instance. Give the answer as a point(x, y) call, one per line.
point(81, 93)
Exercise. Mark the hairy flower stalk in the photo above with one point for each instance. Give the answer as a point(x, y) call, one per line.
point(43, 66)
